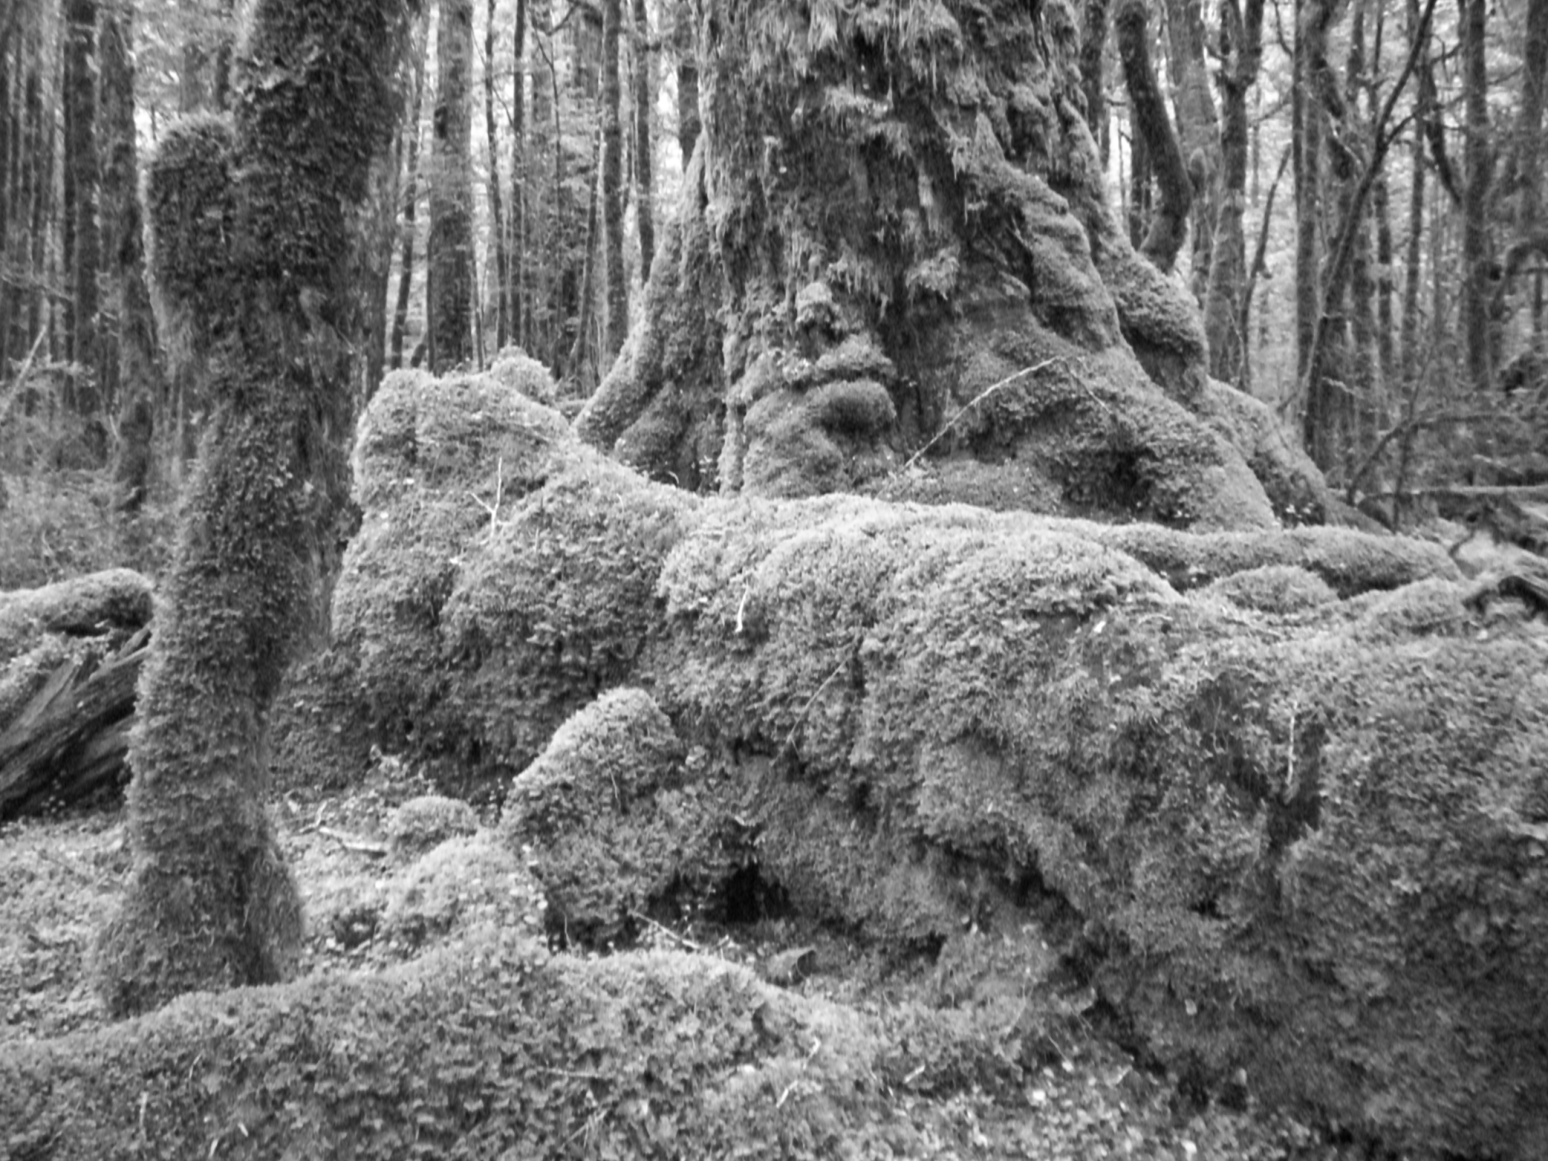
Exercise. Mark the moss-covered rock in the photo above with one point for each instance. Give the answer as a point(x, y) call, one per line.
point(427, 821)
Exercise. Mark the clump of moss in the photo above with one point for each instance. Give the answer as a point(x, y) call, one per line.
point(1274, 588)
point(521, 372)
point(465, 882)
point(614, 827)
point(427, 821)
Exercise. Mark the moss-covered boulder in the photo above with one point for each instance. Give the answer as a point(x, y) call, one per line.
point(1288, 801)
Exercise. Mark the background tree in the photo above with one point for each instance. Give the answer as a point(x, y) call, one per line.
point(616, 283)
point(449, 258)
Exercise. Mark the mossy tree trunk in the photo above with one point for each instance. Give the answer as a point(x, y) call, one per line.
point(449, 301)
point(1169, 225)
point(496, 203)
point(1198, 129)
point(687, 78)
point(210, 903)
point(894, 269)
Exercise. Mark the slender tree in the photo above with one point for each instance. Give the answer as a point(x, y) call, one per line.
point(684, 44)
point(1169, 224)
point(496, 202)
point(82, 250)
point(1478, 272)
point(644, 164)
point(410, 206)
point(449, 259)
point(131, 357)
point(1093, 56)
point(516, 290)
point(1198, 130)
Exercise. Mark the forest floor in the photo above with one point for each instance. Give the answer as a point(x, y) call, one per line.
point(1085, 1098)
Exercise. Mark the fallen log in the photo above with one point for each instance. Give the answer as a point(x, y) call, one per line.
point(71, 739)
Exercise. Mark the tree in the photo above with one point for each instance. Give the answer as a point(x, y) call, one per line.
point(496, 204)
point(1169, 223)
point(265, 266)
point(616, 282)
point(873, 267)
point(130, 367)
point(449, 259)
point(644, 138)
point(81, 245)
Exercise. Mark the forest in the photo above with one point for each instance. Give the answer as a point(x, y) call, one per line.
point(697, 578)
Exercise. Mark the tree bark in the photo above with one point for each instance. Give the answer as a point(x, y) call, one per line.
point(1169, 224)
point(210, 902)
point(1318, 419)
point(449, 258)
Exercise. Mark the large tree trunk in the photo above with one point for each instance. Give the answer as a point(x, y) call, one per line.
point(449, 258)
point(1093, 84)
point(1319, 417)
point(133, 325)
point(210, 902)
point(831, 307)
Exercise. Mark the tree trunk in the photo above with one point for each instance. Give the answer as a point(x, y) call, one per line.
point(1306, 135)
point(133, 348)
point(1478, 274)
point(410, 207)
point(516, 289)
point(81, 246)
point(1408, 334)
point(1529, 157)
point(829, 308)
point(685, 46)
point(584, 344)
point(1241, 37)
point(1169, 224)
point(496, 207)
point(644, 139)
point(1198, 131)
point(1093, 84)
point(210, 902)
point(616, 280)
point(449, 258)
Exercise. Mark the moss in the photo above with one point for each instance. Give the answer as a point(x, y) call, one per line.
point(462, 884)
point(613, 827)
point(190, 200)
point(495, 1048)
point(522, 373)
point(425, 822)
point(1273, 588)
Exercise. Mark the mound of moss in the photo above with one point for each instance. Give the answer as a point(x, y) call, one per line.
point(1297, 838)
point(494, 1048)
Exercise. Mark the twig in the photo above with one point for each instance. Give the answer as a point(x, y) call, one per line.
point(350, 843)
point(974, 402)
point(493, 509)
